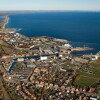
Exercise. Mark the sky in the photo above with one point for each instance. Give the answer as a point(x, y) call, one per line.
point(85, 5)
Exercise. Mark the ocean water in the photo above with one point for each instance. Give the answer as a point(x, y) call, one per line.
point(83, 28)
point(1, 19)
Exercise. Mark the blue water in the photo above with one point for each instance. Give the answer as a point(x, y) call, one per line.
point(74, 26)
point(1, 19)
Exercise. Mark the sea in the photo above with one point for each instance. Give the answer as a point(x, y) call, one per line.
point(82, 28)
point(1, 19)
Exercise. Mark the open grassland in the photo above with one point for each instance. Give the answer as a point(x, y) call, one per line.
point(89, 76)
point(96, 67)
point(85, 79)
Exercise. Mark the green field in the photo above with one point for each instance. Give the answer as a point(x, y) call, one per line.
point(86, 78)
point(96, 67)
point(67, 65)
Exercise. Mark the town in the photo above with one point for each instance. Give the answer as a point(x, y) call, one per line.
point(44, 68)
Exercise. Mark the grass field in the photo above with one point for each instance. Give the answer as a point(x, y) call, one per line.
point(85, 80)
point(67, 65)
point(96, 67)
point(88, 79)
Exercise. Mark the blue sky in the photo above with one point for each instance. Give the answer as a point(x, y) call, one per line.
point(90, 5)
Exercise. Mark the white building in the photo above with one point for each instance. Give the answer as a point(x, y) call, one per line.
point(43, 58)
point(66, 45)
point(95, 57)
point(20, 59)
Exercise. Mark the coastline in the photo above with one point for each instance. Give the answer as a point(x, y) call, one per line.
point(44, 62)
point(73, 33)
point(87, 47)
point(6, 21)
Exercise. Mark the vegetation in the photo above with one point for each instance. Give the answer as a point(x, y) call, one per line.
point(67, 65)
point(5, 48)
point(90, 75)
point(85, 80)
point(3, 93)
point(96, 67)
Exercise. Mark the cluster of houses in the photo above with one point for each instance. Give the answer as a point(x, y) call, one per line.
point(54, 85)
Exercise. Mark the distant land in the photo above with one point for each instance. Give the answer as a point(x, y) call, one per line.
point(31, 11)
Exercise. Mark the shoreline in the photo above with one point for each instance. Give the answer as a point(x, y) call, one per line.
point(6, 21)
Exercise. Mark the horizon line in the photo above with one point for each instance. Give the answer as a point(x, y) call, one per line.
point(51, 10)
